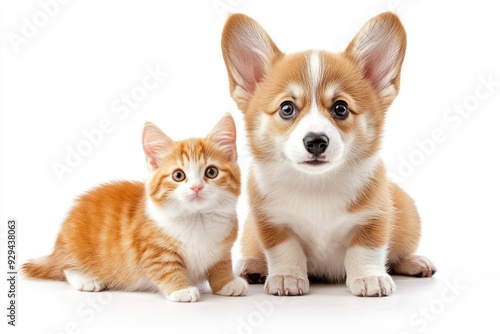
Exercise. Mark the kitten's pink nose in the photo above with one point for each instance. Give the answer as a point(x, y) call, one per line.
point(197, 188)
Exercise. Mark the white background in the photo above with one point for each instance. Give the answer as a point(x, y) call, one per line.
point(66, 78)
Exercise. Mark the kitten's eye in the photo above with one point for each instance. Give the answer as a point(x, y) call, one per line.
point(340, 110)
point(178, 176)
point(287, 110)
point(211, 172)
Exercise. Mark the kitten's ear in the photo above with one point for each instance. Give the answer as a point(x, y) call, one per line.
point(156, 144)
point(248, 53)
point(379, 49)
point(224, 136)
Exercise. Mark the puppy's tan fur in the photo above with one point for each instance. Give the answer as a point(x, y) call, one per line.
point(345, 222)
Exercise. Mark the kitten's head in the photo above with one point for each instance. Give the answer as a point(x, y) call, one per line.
point(193, 174)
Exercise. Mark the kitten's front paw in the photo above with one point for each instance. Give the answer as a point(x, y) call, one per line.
point(190, 294)
point(372, 286)
point(237, 287)
point(286, 285)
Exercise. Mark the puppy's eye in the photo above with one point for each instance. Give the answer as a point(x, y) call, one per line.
point(211, 172)
point(340, 110)
point(287, 110)
point(178, 176)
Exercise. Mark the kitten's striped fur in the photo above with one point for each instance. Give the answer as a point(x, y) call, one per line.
point(165, 235)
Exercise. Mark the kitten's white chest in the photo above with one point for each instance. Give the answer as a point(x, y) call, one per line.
point(201, 235)
point(202, 244)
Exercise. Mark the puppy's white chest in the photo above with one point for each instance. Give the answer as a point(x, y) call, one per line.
point(318, 216)
point(323, 228)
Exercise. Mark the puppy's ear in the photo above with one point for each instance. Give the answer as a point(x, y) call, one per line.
point(379, 49)
point(248, 53)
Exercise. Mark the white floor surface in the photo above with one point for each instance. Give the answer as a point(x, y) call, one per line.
point(447, 303)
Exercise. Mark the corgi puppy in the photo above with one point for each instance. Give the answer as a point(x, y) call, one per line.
point(321, 205)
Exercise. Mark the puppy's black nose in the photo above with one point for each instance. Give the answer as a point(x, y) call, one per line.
point(316, 143)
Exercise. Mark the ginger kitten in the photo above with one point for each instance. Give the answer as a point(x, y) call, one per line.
point(167, 235)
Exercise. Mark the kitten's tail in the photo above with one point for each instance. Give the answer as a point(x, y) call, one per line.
point(47, 267)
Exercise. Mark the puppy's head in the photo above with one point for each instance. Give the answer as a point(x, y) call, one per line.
point(314, 110)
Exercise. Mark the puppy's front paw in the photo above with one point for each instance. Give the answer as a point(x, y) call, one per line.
point(237, 287)
point(190, 294)
point(286, 285)
point(372, 286)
